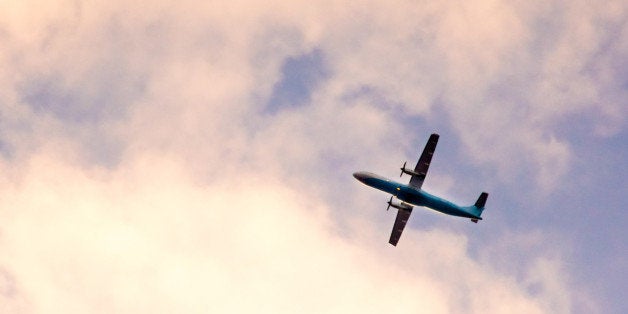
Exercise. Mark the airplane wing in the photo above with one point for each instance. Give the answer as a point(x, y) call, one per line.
point(400, 223)
point(424, 162)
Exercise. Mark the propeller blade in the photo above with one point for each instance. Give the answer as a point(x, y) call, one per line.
point(402, 169)
point(389, 203)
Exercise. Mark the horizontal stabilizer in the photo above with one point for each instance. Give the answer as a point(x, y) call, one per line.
point(481, 200)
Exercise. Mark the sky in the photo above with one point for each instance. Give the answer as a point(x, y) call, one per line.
point(197, 157)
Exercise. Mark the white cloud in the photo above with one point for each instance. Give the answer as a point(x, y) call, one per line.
point(188, 84)
point(148, 238)
point(415, 56)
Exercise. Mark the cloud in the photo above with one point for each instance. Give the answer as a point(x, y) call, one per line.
point(102, 60)
point(147, 237)
point(144, 175)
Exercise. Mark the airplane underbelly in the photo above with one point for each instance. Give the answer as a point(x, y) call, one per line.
point(411, 198)
point(383, 185)
point(432, 202)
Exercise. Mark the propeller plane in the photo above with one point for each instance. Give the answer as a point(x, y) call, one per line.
point(406, 196)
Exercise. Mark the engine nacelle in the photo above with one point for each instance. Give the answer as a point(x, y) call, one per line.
point(398, 205)
point(409, 171)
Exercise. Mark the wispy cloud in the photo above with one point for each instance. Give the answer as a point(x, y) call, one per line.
point(148, 238)
point(145, 173)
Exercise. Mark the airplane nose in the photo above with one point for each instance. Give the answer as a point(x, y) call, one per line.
point(360, 176)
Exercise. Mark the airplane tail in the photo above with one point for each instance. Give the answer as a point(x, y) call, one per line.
point(481, 201)
point(478, 207)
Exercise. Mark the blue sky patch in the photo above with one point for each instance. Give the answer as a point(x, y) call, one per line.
point(300, 76)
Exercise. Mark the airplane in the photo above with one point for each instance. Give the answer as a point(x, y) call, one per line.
point(412, 194)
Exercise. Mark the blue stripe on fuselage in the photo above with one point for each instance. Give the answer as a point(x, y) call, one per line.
point(413, 196)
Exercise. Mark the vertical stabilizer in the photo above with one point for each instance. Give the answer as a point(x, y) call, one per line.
point(478, 207)
point(481, 200)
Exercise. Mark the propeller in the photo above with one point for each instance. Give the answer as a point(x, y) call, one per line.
point(389, 203)
point(402, 169)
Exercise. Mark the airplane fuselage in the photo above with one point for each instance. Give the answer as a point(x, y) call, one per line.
point(414, 196)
